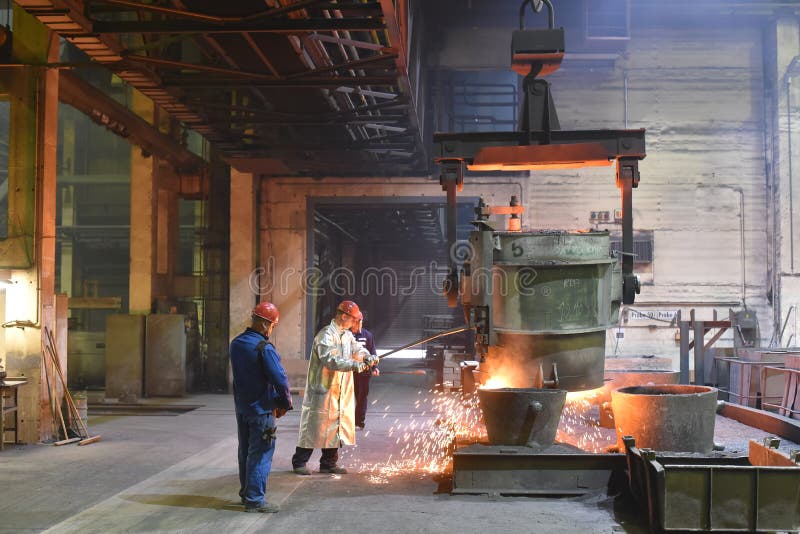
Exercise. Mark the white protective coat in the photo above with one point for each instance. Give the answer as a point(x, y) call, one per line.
point(327, 419)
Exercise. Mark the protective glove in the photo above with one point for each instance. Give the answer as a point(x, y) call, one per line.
point(371, 360)
point(361, 367)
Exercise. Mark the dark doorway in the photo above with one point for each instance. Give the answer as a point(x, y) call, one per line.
point(390, 255)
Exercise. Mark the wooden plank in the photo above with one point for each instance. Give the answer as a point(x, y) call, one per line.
point(714, 338)
point(87, 441)
point(763, 456)
point(790, 395)
point(786, 388)
point(66, 441)
point(95, 303)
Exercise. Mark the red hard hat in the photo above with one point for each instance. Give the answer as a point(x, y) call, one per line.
point(349, 307)
point(266, 310)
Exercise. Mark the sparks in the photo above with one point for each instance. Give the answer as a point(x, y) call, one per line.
point(580, 423)
point(425, 438)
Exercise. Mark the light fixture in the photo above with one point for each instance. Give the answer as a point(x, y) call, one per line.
point(539, 157)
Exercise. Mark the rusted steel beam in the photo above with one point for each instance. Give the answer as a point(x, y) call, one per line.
point(322, 81)
point(184, 13)
point(268, 26)
point(105, 110)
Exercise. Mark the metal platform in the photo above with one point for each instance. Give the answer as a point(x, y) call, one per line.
point(676, 491)
point(512, 470)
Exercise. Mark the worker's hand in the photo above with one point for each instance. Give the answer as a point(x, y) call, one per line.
point(358, 356)
point(279, 412)
point(371, 360)
point(376, 371)
point(361, 367)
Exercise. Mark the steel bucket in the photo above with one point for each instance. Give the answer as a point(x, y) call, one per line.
point(522, 416)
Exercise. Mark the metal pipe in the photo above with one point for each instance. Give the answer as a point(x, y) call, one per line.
point(773, 215)
point(743, 259)
point(791, 177)
point(197, 67)
point(431, 338)
point(625, 98)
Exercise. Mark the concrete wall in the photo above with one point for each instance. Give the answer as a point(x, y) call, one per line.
point(782, 43)
point(702, 187)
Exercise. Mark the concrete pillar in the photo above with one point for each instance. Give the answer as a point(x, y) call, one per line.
point(143, 218)
point(30, 301)
point(216, 285)
point(243, 250)
point(167, 183)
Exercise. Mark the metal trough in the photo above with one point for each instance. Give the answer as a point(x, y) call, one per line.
point(668, 417)
point(757, 493)
point(525, 416)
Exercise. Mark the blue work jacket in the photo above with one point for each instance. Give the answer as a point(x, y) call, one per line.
point(365, 338)
point(260, 383)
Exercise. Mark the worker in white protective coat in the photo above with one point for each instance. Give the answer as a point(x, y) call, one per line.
point(327, 419)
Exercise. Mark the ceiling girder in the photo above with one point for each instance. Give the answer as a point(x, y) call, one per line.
point(236, 47)
point(291, 26)
point(203, 82)
point(365, 7)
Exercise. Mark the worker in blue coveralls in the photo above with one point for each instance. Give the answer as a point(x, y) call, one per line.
point(261, 394)
point(361, 379)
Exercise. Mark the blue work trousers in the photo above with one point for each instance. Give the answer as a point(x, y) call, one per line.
point(256, 448)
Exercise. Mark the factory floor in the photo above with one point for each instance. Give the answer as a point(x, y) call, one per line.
point(176, 472)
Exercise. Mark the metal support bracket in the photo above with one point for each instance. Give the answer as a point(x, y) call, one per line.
point(452, 180)
point(627, 179)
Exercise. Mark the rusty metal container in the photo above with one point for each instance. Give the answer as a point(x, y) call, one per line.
point(667, 417)
point(522, 416)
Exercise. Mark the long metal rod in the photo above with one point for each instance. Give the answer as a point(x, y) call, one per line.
point(346, 42)
point(791, 177)
point(198, 67)
point(431, 338)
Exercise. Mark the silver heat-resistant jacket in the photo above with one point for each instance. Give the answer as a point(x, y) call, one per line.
point(327, 419)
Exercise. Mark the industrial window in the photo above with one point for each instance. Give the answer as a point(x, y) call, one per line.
point(642, 246)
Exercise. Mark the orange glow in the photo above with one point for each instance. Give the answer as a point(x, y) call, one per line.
point(497, 382)
point(587, 395)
